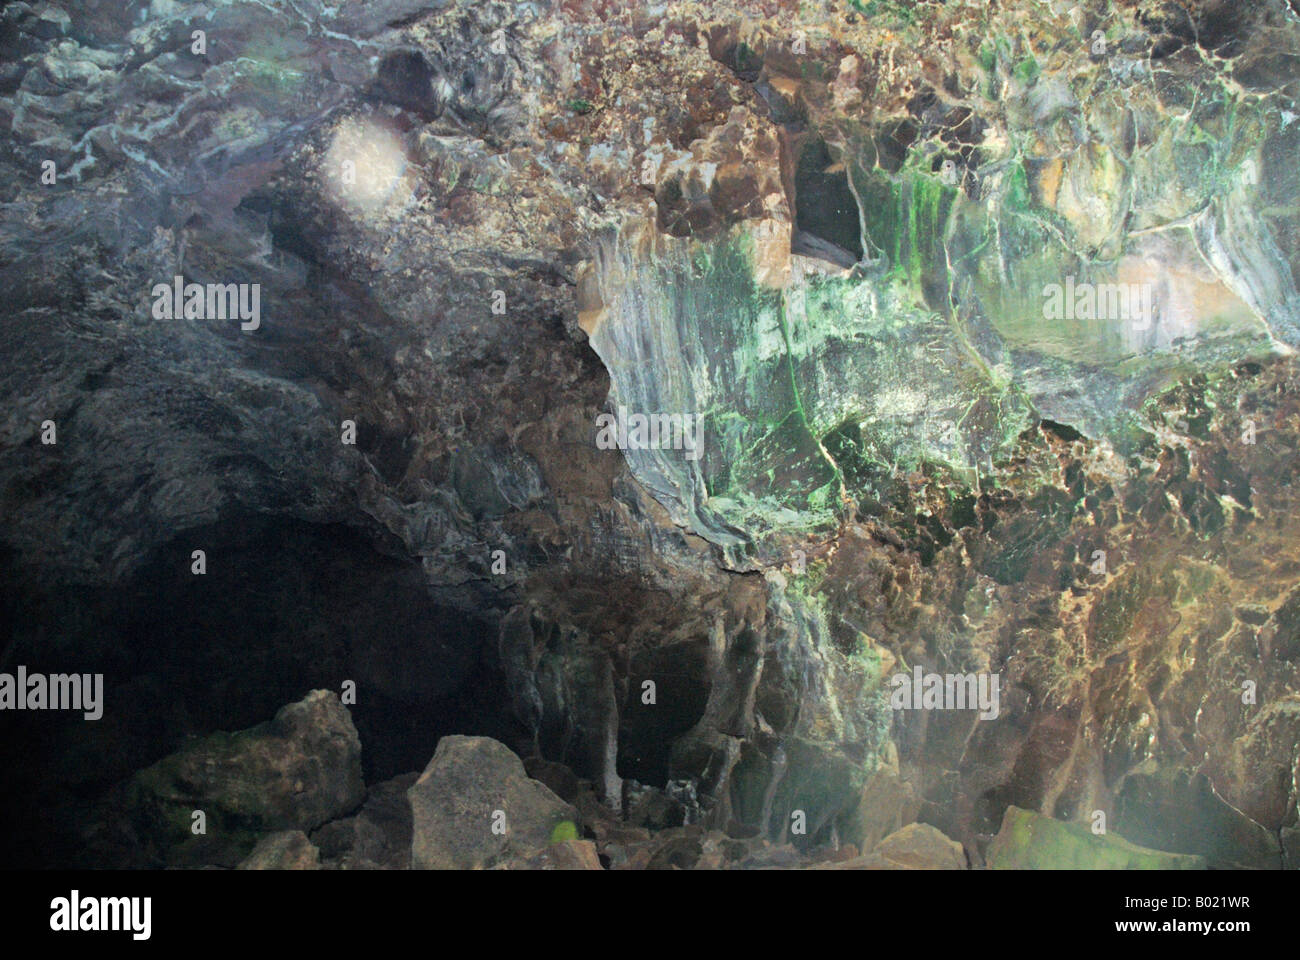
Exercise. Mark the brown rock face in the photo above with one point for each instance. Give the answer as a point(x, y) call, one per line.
point(919, 846)
point(474, 807)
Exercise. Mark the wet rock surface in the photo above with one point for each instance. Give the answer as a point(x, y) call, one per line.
point(296, 772)
point(878, 248)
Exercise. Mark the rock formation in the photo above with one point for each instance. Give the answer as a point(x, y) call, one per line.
point(953, 340)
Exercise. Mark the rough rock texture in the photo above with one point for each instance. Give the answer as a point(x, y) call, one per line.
point(919, 846)
point(565, 855)
point(474, 807)
point(1030, 841)
point(378, 837)
point(293, 773)
point(828, 228)
point(286, 850)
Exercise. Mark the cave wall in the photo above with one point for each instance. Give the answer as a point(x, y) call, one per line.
point(828, 231)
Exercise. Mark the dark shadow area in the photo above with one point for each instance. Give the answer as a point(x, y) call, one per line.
point(826, 214)
point(285, 607)
point(680, 674)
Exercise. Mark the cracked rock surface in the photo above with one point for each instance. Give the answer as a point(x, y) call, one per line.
point(988, 312)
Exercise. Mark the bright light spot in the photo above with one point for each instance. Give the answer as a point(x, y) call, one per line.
point(365, 170)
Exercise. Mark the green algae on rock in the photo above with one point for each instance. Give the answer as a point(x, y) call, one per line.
point(1030, 841)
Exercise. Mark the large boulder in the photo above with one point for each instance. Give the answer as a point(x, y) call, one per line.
point(474, 807)
point(887, 804)
point(296, 772)
point(1031, 841)
point(917, 846)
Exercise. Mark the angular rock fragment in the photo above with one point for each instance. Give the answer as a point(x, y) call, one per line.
point(294, 772)
point(285, 850)
point(378, 837)
point(919, 846)
point(474, 807)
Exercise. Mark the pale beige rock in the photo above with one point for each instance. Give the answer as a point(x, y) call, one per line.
point(284, 850)
point(472, 785)
point(919, 846)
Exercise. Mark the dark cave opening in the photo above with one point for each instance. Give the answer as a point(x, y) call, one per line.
point(285, 607)
point(653, 717)
point(827, 225)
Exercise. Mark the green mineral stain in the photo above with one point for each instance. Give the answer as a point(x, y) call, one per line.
point(270, 76)
point(1027, 70)
point(789, 363)
point(1018, 197)
point(564, 831)
point(907, 216)
point(892, 9)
